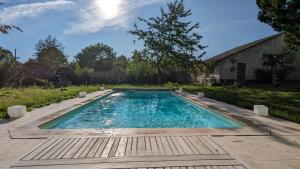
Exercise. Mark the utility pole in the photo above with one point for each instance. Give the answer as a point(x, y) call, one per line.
point(15, 53)
point(16, 58)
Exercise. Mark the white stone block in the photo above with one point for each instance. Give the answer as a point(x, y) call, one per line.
point(261, 110)
point(201, 94)
point(82, 94)
point(16, 111)
point(180, 89)
point(102, 88)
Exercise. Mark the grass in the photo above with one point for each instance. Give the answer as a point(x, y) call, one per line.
point(34, 97)
point(282, 102)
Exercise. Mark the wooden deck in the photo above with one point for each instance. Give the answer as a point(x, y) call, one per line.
point(132, 152)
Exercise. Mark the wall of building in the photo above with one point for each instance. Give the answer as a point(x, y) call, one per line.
point(253, 59)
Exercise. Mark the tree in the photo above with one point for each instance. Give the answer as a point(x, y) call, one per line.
point(280, 65)
point(98, 56)
point(119, 69)
point(283, 16)
point(276, 67)
point(169, 39)
point(8, 67)
point(4, 29)
point(140, 69)
point(50, 55)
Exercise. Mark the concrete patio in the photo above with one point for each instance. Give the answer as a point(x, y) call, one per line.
point(263, 143)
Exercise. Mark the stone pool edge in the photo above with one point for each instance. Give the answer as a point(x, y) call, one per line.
point(32, 130)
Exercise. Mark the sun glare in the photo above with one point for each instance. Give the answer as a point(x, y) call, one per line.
point(108, 8)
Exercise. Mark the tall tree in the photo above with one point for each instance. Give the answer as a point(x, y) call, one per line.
point(50, 55)
point(98, 56)
point(283, 16)
point(170, 38)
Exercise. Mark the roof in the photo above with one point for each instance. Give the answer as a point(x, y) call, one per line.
point(241, 48)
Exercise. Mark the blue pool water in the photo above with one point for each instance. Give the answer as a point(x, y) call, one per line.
point(141, 109)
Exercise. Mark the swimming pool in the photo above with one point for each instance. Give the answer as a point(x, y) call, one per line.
point(141, 109)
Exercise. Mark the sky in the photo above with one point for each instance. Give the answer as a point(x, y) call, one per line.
point(224, 24)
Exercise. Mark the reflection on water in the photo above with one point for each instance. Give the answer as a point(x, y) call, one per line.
point(142, 109)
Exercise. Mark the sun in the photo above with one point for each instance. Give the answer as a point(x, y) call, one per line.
point(108, 8)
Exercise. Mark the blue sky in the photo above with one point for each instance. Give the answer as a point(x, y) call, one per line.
point(224, 24)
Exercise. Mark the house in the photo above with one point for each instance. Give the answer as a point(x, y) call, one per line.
point(239, 64)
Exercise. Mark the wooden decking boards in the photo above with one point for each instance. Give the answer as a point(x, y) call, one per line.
point(132, 152)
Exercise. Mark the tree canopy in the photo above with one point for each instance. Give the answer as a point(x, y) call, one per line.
point(283, 16)
point(98, 56)
point(171, 39)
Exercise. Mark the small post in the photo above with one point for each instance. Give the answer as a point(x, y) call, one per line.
point(261, 110)
point(16, 111)
point(82, 94)
point(201, 94)
point(180, 89)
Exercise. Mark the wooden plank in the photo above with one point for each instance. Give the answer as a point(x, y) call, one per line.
point(160, 146)
point(128, 146)
point(113, 150)
point(154, 146)
point(202, 149)
point(208, 167)
point(75, 148)
point(166, 146)
point(136, 162)
point(108, 147)
point(230, 167)
point(184, 146)
point(239, 167)
point(207, 145)
point(141, 146)
point(172, 145)
point(66, 150)
point(214, 167)
point(191, 146)
point(47, 149)
point(95, 147)
point(223, 167)
point(134, 147)
point(177, 145)
point(199, 167)
point(148, 146)
point(61, 149)
point(218, 149)
point(82, 148)
point(39, 149)
point(101, 148)
point(88, 148)
point(55, 149)
point(122, 147)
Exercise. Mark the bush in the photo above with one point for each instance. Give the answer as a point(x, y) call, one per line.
point(263, 76)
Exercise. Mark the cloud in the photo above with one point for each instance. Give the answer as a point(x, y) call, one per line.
point(95, 15)
point(16, 12)
point(213, 28)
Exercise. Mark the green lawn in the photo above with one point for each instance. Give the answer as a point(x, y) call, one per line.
point(34, 97)
point(282, 102)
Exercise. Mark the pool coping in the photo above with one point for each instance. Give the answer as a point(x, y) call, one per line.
point(32, 130)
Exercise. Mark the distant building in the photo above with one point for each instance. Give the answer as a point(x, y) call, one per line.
point(239, 64)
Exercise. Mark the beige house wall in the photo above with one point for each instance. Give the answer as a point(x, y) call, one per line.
point(253, 59)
